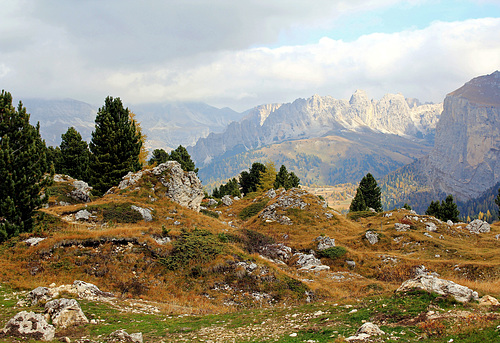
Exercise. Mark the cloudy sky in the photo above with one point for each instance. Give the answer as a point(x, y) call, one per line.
point(244, 53)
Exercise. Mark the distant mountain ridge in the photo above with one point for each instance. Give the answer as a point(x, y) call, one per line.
point(316, 117)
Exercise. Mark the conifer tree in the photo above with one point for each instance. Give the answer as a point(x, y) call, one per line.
point(159, 156)
point(115, 146)
point(371, 192)
point(143, 154)
point(267, 178)
point(249, 181)
point(449, 210)
point(434, 209)
point(23, 169)
point(497, 200)
point(182, 156)
point(358, 203)
point(75, 155)
point(285, 179)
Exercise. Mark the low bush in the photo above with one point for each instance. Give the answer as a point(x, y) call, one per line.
point(333, 252)
point(210, 213)
point(116, 212)
point(252, 209)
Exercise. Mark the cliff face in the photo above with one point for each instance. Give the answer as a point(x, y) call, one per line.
point(465, 160)
point(315, 117)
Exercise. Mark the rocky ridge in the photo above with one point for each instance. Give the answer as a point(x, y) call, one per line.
point(317, 116)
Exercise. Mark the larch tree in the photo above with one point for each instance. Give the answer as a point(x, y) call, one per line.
point(75, 155)
point(143, 154)
point(115, 146)
point(268, 177)
point(24, 170)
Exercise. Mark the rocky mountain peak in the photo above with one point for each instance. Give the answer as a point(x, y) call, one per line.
point(484, 90)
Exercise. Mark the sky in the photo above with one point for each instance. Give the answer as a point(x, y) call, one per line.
point(241, 54)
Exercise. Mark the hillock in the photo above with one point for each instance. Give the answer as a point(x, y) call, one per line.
point(274, 266)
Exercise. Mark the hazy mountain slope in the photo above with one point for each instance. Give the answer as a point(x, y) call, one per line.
point(465, 160)
point(344, 157)
point(166, 125)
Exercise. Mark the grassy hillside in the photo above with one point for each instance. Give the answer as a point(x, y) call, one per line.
point(334, 159)
point(188, 276)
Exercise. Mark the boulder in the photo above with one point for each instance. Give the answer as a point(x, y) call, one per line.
point(40, 294)
point(121, 336)
point(81, 192)
point(226, 200)
point(307, 262)
point(83, 215)
point(478, 226)
point(430, 283)
point(488, 300)
point(33, 241)
point(402, 227)
point(89, 291)
point(29, 325)
point(324, 242)
point(211, 202)
point(365, 332)
point(277, 252)
point(145, 212)
point(430, 226)
point(65, 313)
point(372, 237)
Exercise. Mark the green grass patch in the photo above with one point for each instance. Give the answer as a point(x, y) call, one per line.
point(252, 209)
point(333, 252)
point(116, 212)
point(210, 213)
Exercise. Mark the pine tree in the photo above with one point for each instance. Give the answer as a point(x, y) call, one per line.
point(434, 209)
point(285, 179)
point(249, 181)
point(115, 146)
point(497, 200)
point(159, 156)
point(54, 157)
point(358, 203)
point(23, 169)
point(75, 155)
point(449, 210)
point(182, 156)
point(371, 192)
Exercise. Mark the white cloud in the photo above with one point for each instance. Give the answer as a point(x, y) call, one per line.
point(213, 51)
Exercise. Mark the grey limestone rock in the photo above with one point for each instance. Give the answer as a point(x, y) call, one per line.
point(478, 226)
point(226, 200)
point(145, 212)
point(372, 237)
point(307, 262)
point(433, 284)
point(121, 336)
point(65, 313)
point(324, 242)
point(81, 192)
point(29, 325)
point(33, 241)
point(83, 215)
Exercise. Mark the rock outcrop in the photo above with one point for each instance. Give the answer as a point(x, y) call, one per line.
point(29, 325)
point(121, 336)
point(433, 284)
point(365, 331)
point(478, 226)
point(180, 186)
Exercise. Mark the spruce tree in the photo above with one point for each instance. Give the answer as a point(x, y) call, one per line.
point(358, 203)
point(497, 200)
point(115, 146)
point(182, 156)
point(249, 181)
point(75, 155)
point(159, 156)
point(23, 169)
point(371, 192)
point(434, 209)
point(449, 210)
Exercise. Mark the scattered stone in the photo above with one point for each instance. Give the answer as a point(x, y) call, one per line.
point(431, 283)
point(478, 226)
point(402, 227)
point(422, 270)
point(33, 241)
point(211, 202)
point(488, 300)
point(226, 200)
point(497, 236)
point(65, 340)
point(121, 336)
point(271, 194)
point(61, 178)
point(83, 215)
point(431, 227)
point(388, 214)
point(449, 222)
point(145, 212)
point(351, 264)
point(81, 192)
point(328, 215)
point(277, 252)
point(288, 199)
point(29, 325)
point(307, 262)
point(372, 237)
point(365, 332)
point(162, 240)
point(324, 242)
point(372, 210)
point(65, 313)
point(428, 235)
